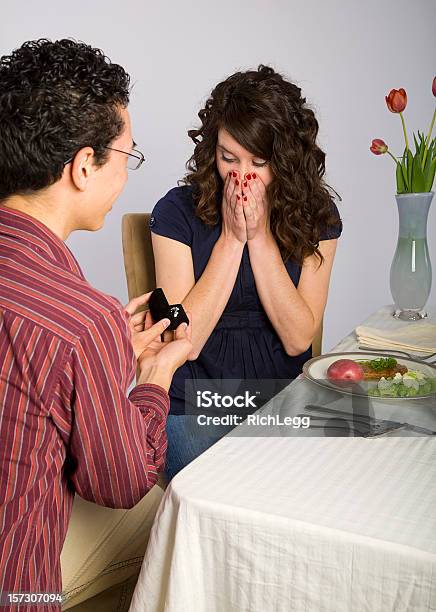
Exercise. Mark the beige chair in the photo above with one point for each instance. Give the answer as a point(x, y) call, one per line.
point(317, 342)
point(139, 262)
point(138, 254)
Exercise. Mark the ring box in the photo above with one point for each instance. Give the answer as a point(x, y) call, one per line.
point(161, 309)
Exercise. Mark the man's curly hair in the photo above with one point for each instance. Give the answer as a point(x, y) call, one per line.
point(55, 98)
point(267, 116)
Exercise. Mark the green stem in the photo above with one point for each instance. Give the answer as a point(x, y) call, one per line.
point(405, 132)
point(394, 158)
point(427, 140)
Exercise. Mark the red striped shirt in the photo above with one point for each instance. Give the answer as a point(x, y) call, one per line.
point(66, 425)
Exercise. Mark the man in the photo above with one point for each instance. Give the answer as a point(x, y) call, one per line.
point(67, 351)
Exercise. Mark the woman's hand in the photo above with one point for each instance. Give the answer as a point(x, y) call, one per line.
point(255, 206)
point(233, 224)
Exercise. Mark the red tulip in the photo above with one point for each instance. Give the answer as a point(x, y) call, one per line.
point(396, 100)
point(378, 147)
point(433, 87)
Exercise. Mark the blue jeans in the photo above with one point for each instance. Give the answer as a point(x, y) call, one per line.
point(186, 442)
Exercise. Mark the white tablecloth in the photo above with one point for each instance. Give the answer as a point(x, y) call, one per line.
point(299, 523)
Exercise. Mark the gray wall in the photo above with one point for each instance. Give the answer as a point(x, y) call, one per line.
point(346, 55)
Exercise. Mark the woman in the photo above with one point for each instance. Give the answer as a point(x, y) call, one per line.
point(247, 243)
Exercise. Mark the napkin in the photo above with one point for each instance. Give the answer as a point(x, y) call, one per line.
point(415, 337)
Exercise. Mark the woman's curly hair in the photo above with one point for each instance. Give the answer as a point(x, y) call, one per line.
point(55, 98)
point(267, 116)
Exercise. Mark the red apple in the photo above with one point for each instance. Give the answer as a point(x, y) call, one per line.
point(345, 371)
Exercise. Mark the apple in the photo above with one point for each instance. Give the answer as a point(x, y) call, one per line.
point(345, 371)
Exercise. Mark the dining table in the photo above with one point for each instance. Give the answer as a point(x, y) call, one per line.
point(286, 518)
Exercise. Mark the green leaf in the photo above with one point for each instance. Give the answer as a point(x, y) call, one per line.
point(422, 149)
point(418, 181)
point(428, 161)
point(429, 178)
point(408, 174)
point(401, 188)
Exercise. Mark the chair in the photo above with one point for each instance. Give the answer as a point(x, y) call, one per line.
point(317, 341)
point(139, 262)
point(138, 254)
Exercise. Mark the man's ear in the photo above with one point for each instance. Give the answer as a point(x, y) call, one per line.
point(82, 167)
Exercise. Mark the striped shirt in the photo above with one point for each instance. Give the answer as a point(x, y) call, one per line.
point(66, 425)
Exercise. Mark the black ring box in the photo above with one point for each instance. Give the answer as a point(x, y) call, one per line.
point(161, 309)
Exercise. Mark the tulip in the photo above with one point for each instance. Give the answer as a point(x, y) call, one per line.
point(414, 172)
point(396, 100)
point(427, 140)
point(378, 147)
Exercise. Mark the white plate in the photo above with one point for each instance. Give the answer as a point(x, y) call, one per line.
point(316, 370)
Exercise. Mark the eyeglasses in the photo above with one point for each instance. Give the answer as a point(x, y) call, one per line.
point(134, 162)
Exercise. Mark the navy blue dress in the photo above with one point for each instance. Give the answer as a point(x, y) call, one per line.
point(244, 344)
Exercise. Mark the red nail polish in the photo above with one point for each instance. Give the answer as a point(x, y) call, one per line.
point(248, 177)
point(234, 173)
point(254, 175)
point(236, 182)
point(238, 197)
point(245, 198)
point(245, 183)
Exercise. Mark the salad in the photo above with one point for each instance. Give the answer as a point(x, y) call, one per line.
point(410, 384)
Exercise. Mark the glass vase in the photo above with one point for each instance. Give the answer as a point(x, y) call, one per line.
point(410, 277)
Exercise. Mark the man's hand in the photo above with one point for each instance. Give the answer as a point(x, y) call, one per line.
point(162, 358)
point(172, 351)
point(141, 337)
point(158, 358)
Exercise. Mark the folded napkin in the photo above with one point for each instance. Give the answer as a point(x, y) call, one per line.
point(416, 338)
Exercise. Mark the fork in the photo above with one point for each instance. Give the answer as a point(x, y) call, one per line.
point(345, 417)
point(371, 431)
point(380, 351)
point(376, 427)
point(371, 427)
